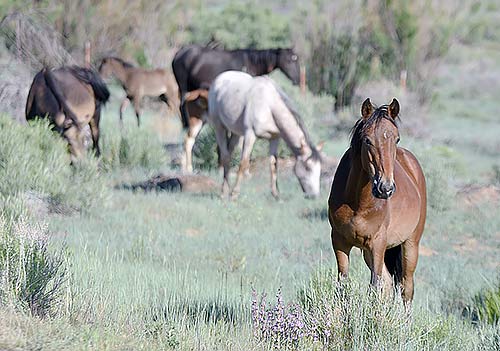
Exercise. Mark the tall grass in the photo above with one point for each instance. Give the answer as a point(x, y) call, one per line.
point(31, 276)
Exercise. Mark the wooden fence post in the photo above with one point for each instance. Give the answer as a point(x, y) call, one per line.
point(87, 54)
point(403, 76)
point(302, 79)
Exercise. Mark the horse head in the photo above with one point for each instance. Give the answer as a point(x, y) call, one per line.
point(378, 136)
point(288, 63)
point(308, 169)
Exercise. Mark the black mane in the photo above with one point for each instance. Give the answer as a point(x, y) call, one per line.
point(362, 125)
point(262, 58)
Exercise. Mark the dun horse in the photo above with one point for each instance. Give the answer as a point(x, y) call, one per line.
point(195, 67)
point(378, 200)
point(254, 107)
point(137, 83)
point(71, 97)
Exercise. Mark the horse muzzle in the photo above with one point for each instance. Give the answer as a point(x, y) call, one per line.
point(383, 190)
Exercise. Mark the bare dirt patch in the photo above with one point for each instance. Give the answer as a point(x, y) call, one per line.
point(475, 194)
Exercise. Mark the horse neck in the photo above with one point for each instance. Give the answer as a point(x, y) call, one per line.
point(261, 61)
point(293, 134)
point(359, 187)
point(119, 71)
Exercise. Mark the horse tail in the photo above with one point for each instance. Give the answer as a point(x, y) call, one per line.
point(393, 260)
point(93, 79)
point(31, 95)
point(51, 83)
point(184, 112)
point(181, 76)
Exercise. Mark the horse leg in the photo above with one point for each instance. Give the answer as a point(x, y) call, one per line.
point(410, 258)
point(273, 161)
point(94, 129)
point(123, 107)
point(386, 276)
point(225, 155)
point(72, 136)
point(195, 126)
point(342, 250)
point(234, 139)
point(248, 141)
point(377, 253)
point(137, 107)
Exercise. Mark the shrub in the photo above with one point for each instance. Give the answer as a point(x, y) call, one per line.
point(241, 25)
point(280, 326)
point(33, 158)
point(131, 148)
point(345, 43)
point(31, 276)
point(350, 315)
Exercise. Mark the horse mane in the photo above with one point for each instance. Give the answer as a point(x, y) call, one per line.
point(300, 121)
point(362, 125)
point(122, 61)
point(261, 58)
point(91, 77)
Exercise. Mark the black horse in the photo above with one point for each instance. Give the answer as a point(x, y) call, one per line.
point(195, 67)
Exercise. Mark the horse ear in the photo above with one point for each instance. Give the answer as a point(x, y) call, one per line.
point(320, 145)
point(366, 108)
point(394, 108)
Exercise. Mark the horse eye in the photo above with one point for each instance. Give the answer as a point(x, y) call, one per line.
point(294, 57)
point(367, 141)
point(397, 140)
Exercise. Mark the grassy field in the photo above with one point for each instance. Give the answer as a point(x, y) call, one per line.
point(175, 271)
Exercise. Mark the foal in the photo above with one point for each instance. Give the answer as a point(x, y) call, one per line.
point(137, 83)
point(378, 200)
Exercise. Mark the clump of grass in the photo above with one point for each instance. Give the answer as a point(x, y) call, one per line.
point(35, 159)
point(350, 315)
point(31, 276)
point(487, 305)
point(132, 148)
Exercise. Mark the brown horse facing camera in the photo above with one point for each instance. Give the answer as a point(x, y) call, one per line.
point(378, 201)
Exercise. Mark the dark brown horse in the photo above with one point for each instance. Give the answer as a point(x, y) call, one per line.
point(71, 97)
point(195, 67)
point(138, 82)
point(378, 200)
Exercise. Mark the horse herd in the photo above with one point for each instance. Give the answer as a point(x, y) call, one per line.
point(378, 196)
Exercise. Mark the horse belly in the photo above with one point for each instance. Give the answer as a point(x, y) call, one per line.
point(263, 124)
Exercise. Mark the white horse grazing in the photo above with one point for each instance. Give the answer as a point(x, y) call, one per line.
point(240, 105)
